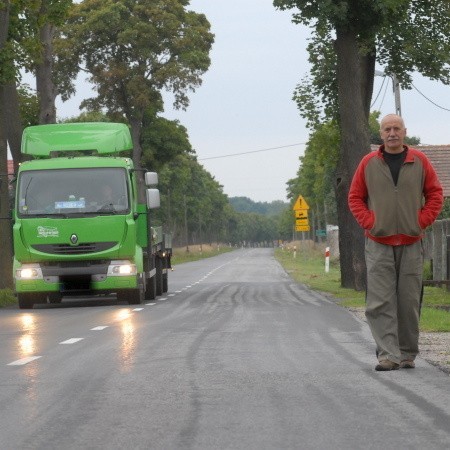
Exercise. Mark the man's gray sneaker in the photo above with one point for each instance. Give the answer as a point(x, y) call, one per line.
point(385, 365)
point(407, 364)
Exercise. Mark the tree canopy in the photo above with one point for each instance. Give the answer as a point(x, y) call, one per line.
point(349, 37)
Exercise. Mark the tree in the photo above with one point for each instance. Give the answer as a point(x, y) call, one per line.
point(48, 16)
point(350, 36)
point(132, 49)
point(6, 78)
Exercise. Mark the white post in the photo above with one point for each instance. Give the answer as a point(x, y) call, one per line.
point(295, 251)
point(327, 259)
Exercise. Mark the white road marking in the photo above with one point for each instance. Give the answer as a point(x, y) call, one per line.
point(21, 362)
point(137, 309)
point(72, 341)
point(99, 328)
point(162, 299)
point(150, 304)
point(171, 295)
point(177, 292)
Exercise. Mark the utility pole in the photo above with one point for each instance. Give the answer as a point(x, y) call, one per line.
point(395, 89)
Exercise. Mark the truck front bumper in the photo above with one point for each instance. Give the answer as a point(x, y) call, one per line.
point(73, 278)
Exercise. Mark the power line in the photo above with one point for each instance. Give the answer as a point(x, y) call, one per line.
point(253, 151)
point(384, 95)
point(431, 101)
point(379, 91)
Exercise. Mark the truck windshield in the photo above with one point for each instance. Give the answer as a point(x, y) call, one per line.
point(72, 192)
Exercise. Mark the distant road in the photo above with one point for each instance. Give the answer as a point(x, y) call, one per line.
point(235, 356)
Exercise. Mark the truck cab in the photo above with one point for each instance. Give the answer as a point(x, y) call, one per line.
point(79, 228)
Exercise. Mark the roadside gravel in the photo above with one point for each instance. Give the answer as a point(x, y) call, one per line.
point(434, 347)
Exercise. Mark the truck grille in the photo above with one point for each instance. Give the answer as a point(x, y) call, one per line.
point(80, 249)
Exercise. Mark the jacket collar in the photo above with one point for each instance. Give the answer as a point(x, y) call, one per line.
point(409, 156)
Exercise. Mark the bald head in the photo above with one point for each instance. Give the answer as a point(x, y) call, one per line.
point(388, 117)
point(393, 133)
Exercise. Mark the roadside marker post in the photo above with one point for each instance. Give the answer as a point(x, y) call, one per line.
point(327, 259)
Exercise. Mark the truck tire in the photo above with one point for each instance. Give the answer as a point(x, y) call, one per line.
point(159, 276)
point(131, 296)
point(28, 299)
point(150, 292)
point(165, 282)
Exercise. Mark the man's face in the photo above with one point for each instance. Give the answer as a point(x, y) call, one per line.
point(393, 133)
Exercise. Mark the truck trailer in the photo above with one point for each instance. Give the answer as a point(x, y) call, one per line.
point(79, 226)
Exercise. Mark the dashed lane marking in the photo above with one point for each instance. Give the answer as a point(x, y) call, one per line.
point(150, 304)
point(138, 309)
point(72, 341)
point(101, 328)
point(21, 362)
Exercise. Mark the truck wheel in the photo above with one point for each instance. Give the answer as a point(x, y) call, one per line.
point(131, 296)
point(165, 282)
point(28, 299)
point(150, 292)
point(159, 276)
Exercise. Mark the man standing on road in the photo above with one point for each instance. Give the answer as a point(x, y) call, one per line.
point(395, 194)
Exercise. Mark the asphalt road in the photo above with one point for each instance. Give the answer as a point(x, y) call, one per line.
point(235, 356)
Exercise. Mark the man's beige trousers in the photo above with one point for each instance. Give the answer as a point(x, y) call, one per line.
point(393, 298)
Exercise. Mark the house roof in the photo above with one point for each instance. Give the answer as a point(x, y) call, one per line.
point(439, 156)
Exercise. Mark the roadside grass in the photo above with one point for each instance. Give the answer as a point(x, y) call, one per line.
point(308, 267)
point(7, 297)
point(196, 252)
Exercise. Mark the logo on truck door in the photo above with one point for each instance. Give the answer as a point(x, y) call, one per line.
point(74, 239)
point(47, 232)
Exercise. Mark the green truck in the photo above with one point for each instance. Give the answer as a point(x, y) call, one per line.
point(79, 228)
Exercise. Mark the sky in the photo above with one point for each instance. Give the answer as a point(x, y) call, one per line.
point(245, 102)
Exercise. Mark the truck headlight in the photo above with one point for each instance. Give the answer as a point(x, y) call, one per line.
point(121, 268)
point(29, 272)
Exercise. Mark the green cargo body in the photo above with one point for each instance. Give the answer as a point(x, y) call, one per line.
point(78, 227)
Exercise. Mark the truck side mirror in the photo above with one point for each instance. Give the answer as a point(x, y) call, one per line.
point(153, 199)
point(151, 178)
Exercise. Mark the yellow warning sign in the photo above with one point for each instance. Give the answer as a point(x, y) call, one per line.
point(302, 228)
point(300, 204)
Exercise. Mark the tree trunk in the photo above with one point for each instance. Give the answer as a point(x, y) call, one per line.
point(6, 252)
point(6, 280)
point(136, 129)
point(44, 76)
point(354, 102)
point(13, 122)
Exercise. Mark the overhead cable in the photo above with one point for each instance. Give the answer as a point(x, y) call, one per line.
point(431, 101)
point(253, 151)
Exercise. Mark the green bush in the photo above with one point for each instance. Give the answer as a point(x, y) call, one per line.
point(7, 297)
